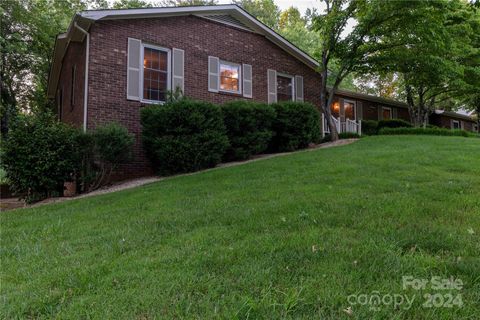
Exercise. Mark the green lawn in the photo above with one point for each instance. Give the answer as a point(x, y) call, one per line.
point(289, 237)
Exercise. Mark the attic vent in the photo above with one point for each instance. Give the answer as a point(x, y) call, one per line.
point(226, 19)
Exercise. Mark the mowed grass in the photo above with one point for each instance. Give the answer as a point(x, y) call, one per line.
point(289, 237)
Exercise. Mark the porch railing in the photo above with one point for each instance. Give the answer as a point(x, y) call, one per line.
point(342, 126)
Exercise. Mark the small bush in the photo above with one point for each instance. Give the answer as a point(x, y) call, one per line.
point(369, 127)
point(427, 131)
point(348, 135)
point(112, 145)
point(183, 135)
point(39, 155)
point(393, 123)
point(249, 128)
point(326, 138)
point(296, 125)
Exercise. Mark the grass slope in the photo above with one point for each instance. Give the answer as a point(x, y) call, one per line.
point(237, 242)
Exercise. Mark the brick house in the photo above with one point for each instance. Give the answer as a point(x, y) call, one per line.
point(359, 106)
point(111, 63)
point(453, 120)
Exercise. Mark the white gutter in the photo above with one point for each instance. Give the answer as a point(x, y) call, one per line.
point(85, 86)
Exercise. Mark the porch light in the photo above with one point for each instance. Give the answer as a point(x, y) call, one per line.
point(336, 107)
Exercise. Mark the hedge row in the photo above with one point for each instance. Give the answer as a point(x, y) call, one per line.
point(40, 154)
point(188, 135)
point(372, 127)
point(426, 131)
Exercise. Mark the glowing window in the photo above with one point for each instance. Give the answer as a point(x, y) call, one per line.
point(230, 77)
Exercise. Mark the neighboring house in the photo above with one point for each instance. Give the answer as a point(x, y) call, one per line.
point(453, 120)
point(352, 107)
point(110, 63)
point(359, 106)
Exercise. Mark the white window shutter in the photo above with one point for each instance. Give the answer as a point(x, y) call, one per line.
point(133, 69)
point(178, 70)
point(247, 81)
point(213, 74)
point(272, 85)
point(299, 88)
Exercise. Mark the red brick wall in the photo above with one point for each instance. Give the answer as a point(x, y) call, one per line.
point(75, 56)
point(199, 38)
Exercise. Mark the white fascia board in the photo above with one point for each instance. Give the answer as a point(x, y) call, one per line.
point(143, 12)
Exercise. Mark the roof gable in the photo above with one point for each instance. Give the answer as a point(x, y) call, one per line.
point(231, 14)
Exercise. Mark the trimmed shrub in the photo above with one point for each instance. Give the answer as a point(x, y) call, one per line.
point(427, 131)
point(296, 125)
point(348, 135)
point(393, 123)
point(39, 155)
point(112, 145)
point(249, 128)
point(369, 127)
point(183, 135)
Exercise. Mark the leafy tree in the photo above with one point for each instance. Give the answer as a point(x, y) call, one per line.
point(379, 26)
point(295, 28)
point(471, 95)
point(473, 104)
point(127, 4)
point(442, 64)
point(333, 49)
point(386, 85)
point(264, 10)
point(28, 31)
point(290, 17)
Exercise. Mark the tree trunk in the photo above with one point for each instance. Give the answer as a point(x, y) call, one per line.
point(477, 111)
point(325, 102)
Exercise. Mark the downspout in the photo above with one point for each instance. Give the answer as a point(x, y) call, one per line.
point(85, 87)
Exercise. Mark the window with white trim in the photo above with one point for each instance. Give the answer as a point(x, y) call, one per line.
point(456, 124)
point(155, 73)
point(230, 77)
point(285, 87)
